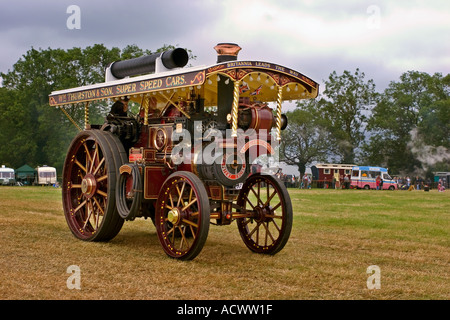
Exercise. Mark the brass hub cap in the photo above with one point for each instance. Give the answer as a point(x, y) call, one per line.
point(173, 216)
point(89, 185)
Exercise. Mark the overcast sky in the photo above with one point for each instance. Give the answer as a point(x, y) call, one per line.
point(382, 38)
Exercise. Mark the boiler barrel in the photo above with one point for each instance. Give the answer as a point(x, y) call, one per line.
point(175, 58)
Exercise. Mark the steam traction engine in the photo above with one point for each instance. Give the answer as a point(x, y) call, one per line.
point(185, 159)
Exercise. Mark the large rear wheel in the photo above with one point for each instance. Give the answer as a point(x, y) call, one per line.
point(89, 182)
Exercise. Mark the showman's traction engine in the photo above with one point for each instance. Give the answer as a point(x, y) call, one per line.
point(185, 160)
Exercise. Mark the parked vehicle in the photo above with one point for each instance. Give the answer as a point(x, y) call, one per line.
point(365, 177)
point(327, 175)
point(163, 162)
point(7, 176)
point(45, 176)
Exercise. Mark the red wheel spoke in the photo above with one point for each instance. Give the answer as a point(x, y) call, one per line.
point(180, 193)
point(268, 232)
point(99, 206)
point(78, 163)
point(276, 207)
point(190, 223)
point(173, 235)
point(189, 204)
point(272, 216)
point(190, 195)
point(276, 225)
point(259, 191)
point(183, 238)
point(171, 201)
point(102, 178)
point(80, 206)
point(93, 158)
point(193, 231)
point(256, 195)
point(89, 213)
point(98, 166)
point(102, 193)
point(255, 229)
point(269, 198)
point(88, 154)
point(250, 203)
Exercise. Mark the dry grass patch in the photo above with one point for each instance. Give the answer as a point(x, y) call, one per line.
point(337, 234)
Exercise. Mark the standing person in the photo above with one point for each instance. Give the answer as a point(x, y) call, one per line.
point(428, 183)
point(378, 181)
point(419, 183)
point(441, 186)
point(346, 182)
point(305, 181)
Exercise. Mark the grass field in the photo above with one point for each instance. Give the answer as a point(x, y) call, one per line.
point(336, 236)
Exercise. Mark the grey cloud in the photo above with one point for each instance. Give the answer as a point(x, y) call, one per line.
point(199, 25)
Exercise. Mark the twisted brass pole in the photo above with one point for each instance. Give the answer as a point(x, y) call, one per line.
point(86, 115)
point(145, 105)
point(278, 117)
point(235, 109)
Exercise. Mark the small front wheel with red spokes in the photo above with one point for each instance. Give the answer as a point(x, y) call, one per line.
point(267, 207)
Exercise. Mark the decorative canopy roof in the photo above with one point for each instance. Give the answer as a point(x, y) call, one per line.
point(258, 80)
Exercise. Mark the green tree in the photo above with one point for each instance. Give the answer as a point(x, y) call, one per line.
point(348, 99)
point(434, 125)
point(306, 138)
point(33, 132)
point(16, 139)
point(410, 124)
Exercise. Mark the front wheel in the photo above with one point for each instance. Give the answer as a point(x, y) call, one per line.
point(182, 215)
point(267, 204)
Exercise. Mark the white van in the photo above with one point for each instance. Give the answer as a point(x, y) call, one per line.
point(364, 177)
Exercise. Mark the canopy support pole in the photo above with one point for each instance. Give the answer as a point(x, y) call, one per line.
point(145, 104)
point(86, 116)
point(278, 116)
point(235, 109)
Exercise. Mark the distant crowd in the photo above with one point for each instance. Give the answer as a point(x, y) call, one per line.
point(417, 183)
point(292, 181)
point(406, 183)
point(403, 183)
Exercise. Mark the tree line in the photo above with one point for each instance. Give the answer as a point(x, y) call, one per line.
point(405, 128)
point(34, 133)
